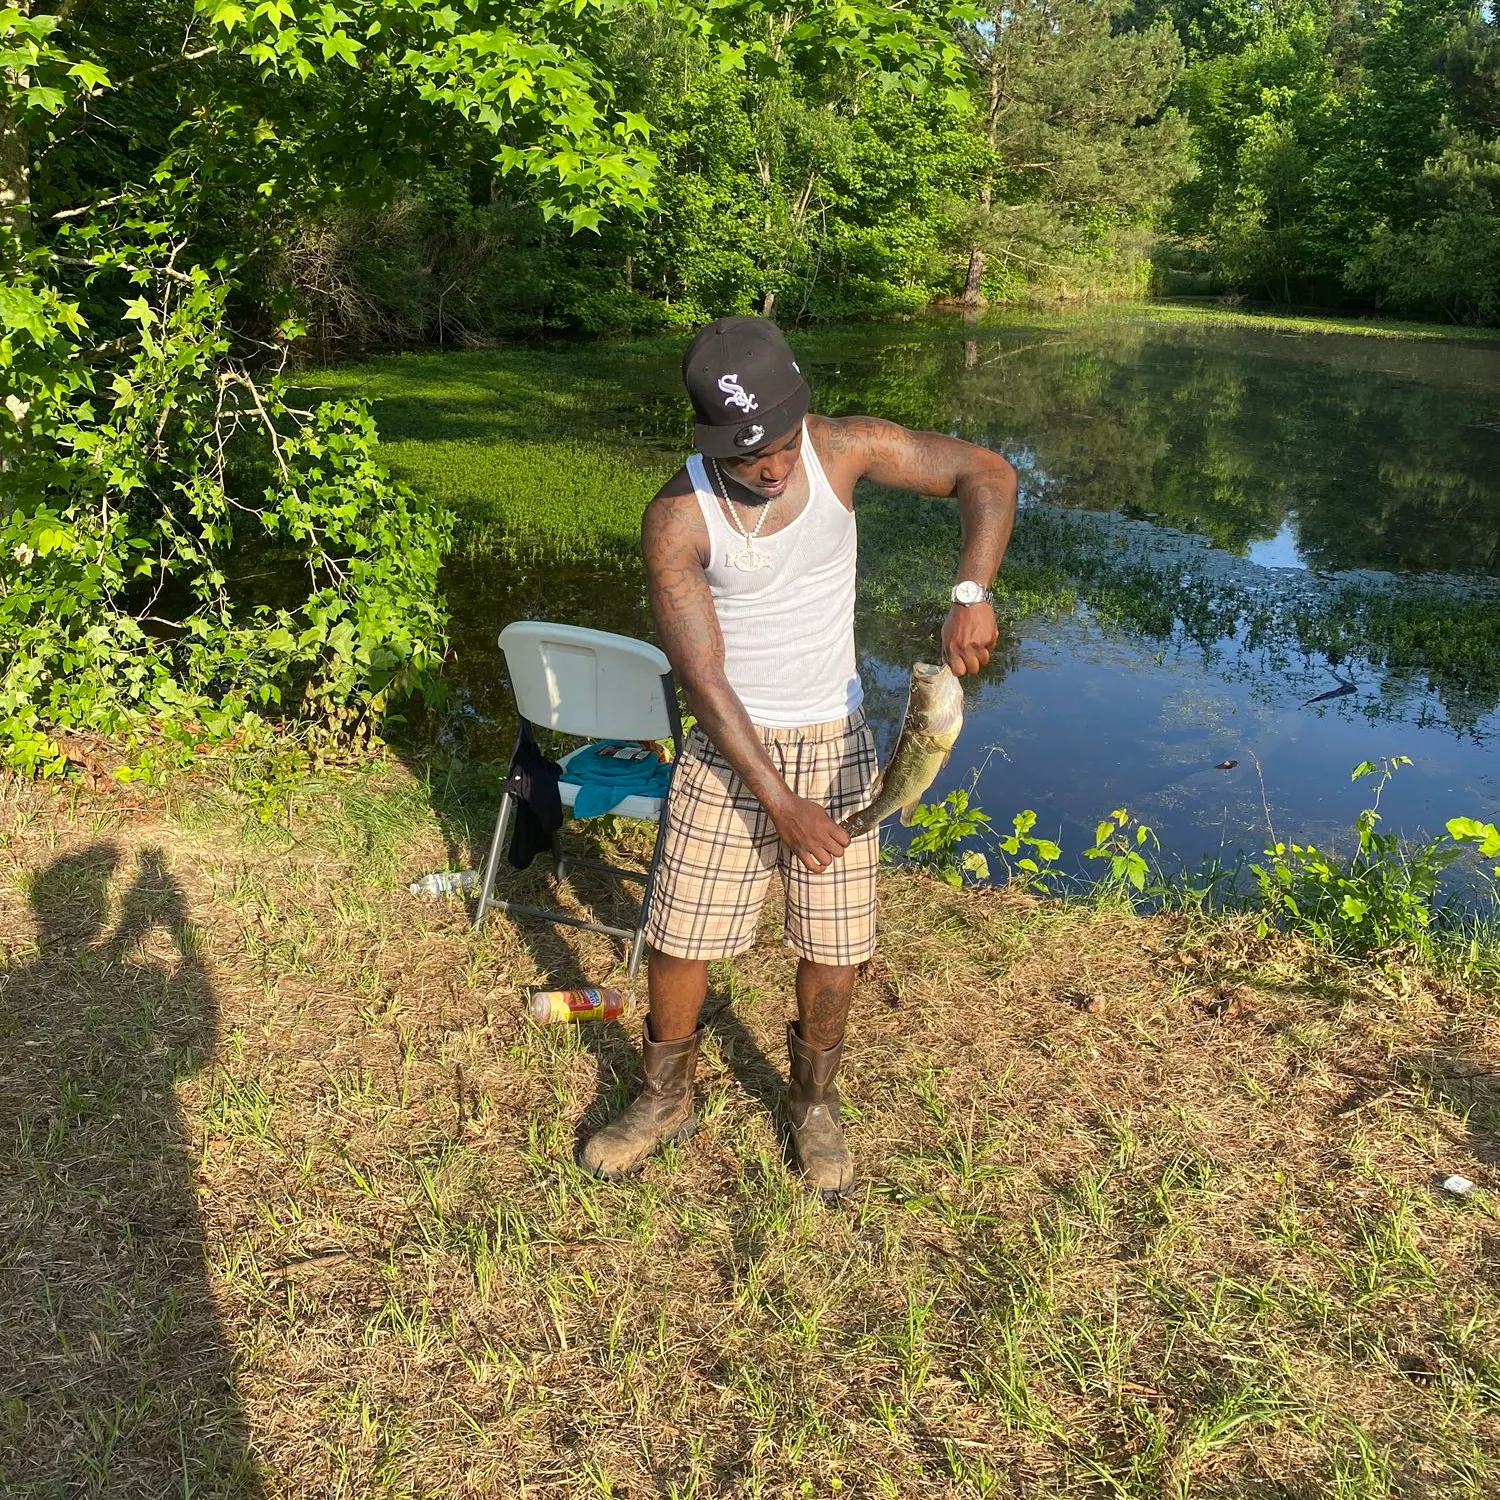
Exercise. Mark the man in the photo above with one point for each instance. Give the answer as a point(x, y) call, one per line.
point(750, 553)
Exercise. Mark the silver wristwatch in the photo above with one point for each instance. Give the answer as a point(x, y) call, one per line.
point(966, 591)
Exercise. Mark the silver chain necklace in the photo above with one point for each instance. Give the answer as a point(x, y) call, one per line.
point(749, 559)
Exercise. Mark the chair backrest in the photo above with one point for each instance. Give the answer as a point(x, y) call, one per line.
point(587, 682)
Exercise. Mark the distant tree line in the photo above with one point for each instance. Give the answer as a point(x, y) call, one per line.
point(1339, 153)
point(1343, 152)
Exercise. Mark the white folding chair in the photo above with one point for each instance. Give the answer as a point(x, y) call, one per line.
point(598, 686)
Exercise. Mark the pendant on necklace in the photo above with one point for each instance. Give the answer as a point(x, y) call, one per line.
point(748, 560)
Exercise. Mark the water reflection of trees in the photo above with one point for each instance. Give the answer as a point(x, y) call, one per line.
point(1376, 454)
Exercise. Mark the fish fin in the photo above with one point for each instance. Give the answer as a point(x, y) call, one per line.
point(907, 811)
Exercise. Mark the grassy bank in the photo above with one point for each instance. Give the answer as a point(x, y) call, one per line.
point(540, 454)
point(288, 1208)
point(1216, 312)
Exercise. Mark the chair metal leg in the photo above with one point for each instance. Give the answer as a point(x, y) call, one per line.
point(640, 928)
point(492, 864)
point(569, 861)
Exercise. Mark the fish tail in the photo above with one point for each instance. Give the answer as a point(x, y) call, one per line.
point(858, 823)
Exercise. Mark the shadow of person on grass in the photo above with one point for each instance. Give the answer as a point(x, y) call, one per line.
point(115, 1377)
point(759, 1078)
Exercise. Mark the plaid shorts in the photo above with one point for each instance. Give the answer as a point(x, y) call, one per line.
point(721, 847)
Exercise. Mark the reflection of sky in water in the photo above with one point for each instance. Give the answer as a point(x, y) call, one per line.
point(1281, 551)
point(1090, 721)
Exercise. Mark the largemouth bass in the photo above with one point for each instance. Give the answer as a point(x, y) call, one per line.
point(934, 716)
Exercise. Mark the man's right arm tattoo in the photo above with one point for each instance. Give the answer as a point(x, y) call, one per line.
point(690, 635)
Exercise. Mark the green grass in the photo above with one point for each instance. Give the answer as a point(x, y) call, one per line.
point(1215, 314)
point(538, 454)
point(293, 1211)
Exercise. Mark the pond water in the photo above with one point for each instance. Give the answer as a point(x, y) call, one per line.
point(1266, 468)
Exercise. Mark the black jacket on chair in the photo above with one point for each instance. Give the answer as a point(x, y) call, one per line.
point(538, 807)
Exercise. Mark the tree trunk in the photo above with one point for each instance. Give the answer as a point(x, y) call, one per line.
point(768, 305)
point(975, 273)
point(973, 277)
point(995, 69)
point(799, 207)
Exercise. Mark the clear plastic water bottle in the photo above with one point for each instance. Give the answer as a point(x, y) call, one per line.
point(558, 1007)
point(444, 883)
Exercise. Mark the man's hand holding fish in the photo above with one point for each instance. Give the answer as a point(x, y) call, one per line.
point(750, 560)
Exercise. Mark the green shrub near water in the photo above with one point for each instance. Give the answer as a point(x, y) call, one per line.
point(1386, 894)
point(132, 499)
point(184, 549)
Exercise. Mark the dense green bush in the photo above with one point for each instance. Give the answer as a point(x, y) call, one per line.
point(138, 505)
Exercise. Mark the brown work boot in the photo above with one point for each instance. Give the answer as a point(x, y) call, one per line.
point(813, 1103)
point(662, 1112)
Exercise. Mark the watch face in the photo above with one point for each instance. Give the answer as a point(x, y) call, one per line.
point(968, 592)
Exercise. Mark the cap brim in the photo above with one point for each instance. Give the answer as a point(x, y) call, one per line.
point(719, 440)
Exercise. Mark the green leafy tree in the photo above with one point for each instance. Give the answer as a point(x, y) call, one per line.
point(1073, 112)
point(1264, 118)
point(147, 161)
point(1434, 243)
point(1348, 151)
point(806, 177)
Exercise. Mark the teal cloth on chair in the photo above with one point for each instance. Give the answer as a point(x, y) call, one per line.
point(604, 782)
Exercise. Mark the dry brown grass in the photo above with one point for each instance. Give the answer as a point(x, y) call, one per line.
point(287, 1202)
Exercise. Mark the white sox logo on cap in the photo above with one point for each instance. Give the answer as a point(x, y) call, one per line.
point(744, 384)
point(736, 394)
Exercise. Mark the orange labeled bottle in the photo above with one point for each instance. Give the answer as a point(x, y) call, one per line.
point(558, 1007)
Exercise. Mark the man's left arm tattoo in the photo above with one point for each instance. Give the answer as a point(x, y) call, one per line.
point(928, 463)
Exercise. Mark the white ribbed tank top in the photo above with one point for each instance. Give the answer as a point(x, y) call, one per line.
point(789, 628)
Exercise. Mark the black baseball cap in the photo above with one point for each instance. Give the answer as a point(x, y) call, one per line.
point(745, 386)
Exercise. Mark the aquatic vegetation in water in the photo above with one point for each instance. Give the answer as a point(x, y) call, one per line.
point(1386, 894)
point(1438, 632)
point(541, 456)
